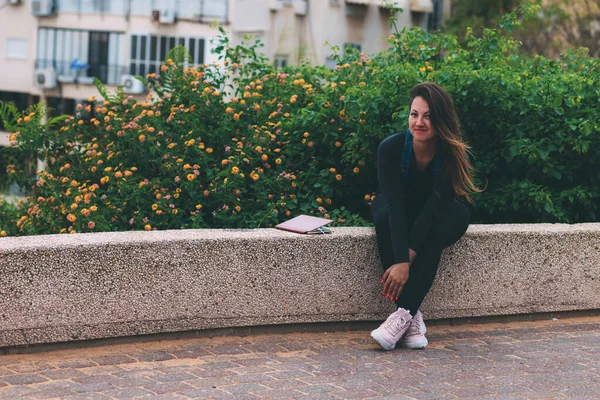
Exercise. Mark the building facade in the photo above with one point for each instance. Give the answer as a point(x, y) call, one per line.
point(51, 50)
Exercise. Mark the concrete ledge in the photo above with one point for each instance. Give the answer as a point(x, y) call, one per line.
point(73, 287)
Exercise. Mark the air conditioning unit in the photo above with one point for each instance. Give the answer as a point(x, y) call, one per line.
point(45, 78)
point(166, 16)
point(275, 5)
point(356, 9)
point(131, 85)
point(421, 6)
point(300, 7)
point(42, 8)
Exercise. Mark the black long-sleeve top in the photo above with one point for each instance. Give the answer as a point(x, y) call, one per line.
point(417, 195)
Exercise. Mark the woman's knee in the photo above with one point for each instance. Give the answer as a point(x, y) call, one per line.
point(453, 224)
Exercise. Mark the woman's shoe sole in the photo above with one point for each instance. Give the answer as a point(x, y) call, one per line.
point(416, 346)
point(375, 335)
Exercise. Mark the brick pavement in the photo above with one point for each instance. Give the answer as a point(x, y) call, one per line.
point(514, 360)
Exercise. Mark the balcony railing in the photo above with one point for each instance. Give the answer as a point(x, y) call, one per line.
point(185, 9)
point(107, 73)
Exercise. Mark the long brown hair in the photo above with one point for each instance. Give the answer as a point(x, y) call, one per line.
point(444, 121)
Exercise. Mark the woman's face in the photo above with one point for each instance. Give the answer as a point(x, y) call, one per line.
point(419, 122)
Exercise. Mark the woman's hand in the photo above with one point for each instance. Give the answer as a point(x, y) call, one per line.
point(394, 280)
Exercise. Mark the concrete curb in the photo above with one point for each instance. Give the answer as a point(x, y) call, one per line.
point(73, 287)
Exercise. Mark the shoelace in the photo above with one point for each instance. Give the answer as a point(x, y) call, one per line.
point(418, 325)
point(395, 322)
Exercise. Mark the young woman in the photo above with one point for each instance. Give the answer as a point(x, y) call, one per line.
point(424, 176)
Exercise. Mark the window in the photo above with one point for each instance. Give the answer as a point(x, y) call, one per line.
point(78, 54)
point(148, 52)
point(330, 63)
point(17, 49)
point(281, 61)
point(356, 46)
point(92, 6)
point(434, 19)
point(98, 55)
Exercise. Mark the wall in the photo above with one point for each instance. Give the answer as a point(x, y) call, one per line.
point(84, 286)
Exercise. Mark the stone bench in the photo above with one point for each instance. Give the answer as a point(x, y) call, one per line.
point(73, 287)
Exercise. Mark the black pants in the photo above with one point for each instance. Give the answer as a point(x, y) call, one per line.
point(446, 231)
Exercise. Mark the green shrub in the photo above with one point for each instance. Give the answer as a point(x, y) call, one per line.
point(242, 145)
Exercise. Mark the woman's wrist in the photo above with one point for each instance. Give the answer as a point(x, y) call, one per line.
point(411, 255)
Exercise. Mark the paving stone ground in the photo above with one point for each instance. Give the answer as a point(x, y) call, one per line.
point(513, 360)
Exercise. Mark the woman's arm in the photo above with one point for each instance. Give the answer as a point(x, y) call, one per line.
point(390, 185)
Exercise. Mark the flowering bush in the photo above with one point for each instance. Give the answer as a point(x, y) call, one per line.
point(241, 145)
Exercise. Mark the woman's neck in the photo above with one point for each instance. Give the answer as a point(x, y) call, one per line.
point(425, 150)
point(424, 153)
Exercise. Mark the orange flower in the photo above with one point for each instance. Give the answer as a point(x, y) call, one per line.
point(147, 227)
point(91, 224)
point(191, 177)
point(236, 117)
point(142, 138)
point(235, 170)
point(338, 177)
point(264, 157)
point(118, 174)
point(71, 218)
point(278, 161)
point(338, 144)
point(209, 150)
point(229, 110)
point(332, 170)
point(356, 170)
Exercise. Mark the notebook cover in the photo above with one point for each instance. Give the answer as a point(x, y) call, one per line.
point(303, 224)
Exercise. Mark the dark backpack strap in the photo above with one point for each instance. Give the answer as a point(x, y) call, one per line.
point(406, 153)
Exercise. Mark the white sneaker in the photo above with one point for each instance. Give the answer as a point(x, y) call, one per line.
point(390, 332)
point(414, 338)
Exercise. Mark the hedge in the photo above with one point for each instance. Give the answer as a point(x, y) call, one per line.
point(239, 144)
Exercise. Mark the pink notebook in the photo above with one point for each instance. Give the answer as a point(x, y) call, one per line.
point(305, 224)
